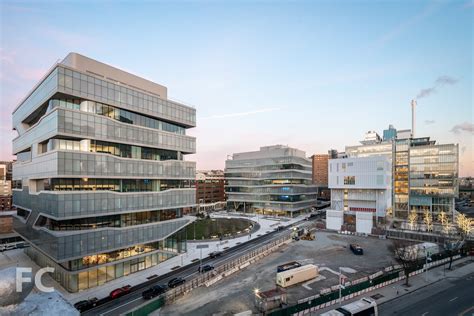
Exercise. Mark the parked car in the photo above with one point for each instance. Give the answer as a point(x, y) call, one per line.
point(175, 282)
point(120, 291)
point(86, 304)
point(356, 249)
point(207, 268)
point(215, 254)
point(280, 227)
point(154, 291)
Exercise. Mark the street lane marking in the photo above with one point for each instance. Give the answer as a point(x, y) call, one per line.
point(424, 313)
point(453, 299)
point(465, 311)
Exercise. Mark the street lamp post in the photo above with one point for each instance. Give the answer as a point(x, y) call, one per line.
point(340, 286)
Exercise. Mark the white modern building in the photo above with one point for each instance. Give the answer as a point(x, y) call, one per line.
point(360, 189)
point(424, 174)
point(100, 182)
point(276, 180)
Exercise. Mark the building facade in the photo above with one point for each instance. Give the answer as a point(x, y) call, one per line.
point(210, 193)
point(5, 185)
point(100, 183)
point(425, 177)
point(276, 180)
point(320, 175)
point(361, 189)
point(424, 174)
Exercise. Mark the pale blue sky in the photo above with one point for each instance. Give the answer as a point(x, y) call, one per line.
point(311, 74)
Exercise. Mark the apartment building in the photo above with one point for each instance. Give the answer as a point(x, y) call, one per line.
point(100, 182)
point(210, 193)
point(320, 175)
point(275, 180)
point(5, 185)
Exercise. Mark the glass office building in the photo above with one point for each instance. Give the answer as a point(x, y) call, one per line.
point(100, 183)
point(433, 178)
point(424, 174)
point(276, 180)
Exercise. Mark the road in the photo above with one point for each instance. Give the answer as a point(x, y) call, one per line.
point(452, 296)
point(134, 299)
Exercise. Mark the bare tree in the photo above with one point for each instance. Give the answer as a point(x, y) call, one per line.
point(406, 253)
point(452, 247)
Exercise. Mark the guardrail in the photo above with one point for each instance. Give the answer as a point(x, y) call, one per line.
point(209, 278)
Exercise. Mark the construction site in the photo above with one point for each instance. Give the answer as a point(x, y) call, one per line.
point(325, 256)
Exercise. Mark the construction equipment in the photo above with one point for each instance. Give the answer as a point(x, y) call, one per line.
point(307, 236)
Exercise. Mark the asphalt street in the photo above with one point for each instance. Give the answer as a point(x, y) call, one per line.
point(451, 296)
point(134, 299)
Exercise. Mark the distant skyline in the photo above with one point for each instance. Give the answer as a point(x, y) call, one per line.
point(314, 75)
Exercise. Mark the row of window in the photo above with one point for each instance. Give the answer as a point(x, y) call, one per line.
point(100, 127)
point(269, 182)
point(118, 185)
point(175, 243)
point(75, 82)
point(116, 149)
point(116, 114)
point(117, 220)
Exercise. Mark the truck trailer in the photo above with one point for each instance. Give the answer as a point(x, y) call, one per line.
point(297, 275)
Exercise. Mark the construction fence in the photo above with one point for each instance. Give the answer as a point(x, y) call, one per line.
point(209, 278)
point(330, 296)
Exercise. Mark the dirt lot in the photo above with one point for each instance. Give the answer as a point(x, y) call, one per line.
point(329, 251)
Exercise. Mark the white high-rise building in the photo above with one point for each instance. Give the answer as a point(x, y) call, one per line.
point(361, 188)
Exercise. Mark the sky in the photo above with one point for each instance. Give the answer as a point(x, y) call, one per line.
point(314, 75)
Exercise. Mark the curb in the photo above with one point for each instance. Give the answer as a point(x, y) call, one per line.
point(419, 288)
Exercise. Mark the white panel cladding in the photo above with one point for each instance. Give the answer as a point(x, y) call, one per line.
point(364, 222)
point(367, 172)
point(334, 219)
point(89, 165)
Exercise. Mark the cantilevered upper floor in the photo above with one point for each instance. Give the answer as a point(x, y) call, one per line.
point(121, 94)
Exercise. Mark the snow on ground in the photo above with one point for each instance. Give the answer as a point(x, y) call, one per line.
point(39, 304)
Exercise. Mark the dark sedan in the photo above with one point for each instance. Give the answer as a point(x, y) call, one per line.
point(154, 291)
point(86, 304)
point(175, 282)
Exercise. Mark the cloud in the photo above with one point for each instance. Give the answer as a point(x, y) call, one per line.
point(439, 82)
point(464, 127)
point(240, 114)
point(428, 122)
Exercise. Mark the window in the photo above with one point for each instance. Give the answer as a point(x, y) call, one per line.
point(349, 180)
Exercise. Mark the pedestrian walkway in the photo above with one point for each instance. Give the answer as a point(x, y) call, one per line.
point(460, 268)
point(266, 224)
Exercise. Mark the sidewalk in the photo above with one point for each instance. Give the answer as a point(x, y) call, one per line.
point(459, 269)
point(266, 225)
